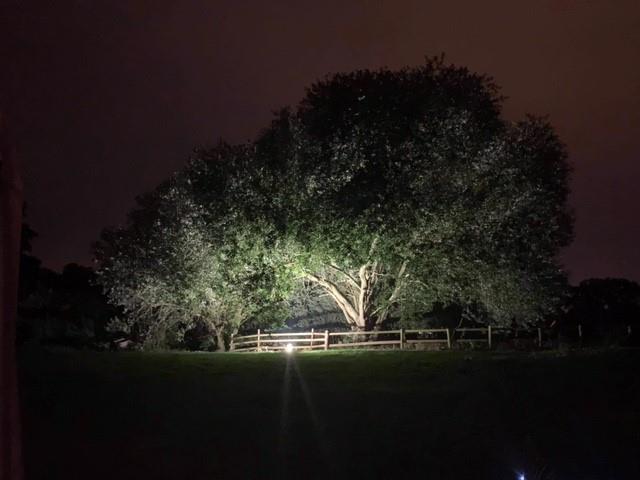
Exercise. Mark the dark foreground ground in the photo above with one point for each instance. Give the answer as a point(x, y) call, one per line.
point(337, 415)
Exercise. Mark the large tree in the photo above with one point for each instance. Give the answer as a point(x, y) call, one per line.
point(388, 191)
point(398, 189)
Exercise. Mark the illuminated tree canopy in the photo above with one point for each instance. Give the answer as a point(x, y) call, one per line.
point(180, 263)
point(388, 191)
point(401, 189)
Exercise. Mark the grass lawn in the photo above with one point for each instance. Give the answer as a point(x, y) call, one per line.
point(432, 415)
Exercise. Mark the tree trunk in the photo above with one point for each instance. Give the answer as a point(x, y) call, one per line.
point(10, 228)
point(355, 294)
point(220, 345)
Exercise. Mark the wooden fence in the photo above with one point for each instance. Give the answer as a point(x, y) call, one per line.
point(440, 338)
point(412, 338)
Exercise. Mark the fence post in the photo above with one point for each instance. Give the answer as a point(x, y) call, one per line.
point(489, 335)
point(448, 339)
point(326, 339)
point(258, 347)
point(539, 337)
point(311, 343)
point(232, 345)
point(580, 333)
point(402, 339)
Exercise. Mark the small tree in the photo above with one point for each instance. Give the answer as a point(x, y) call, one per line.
point(179, 262)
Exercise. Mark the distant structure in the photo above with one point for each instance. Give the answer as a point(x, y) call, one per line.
point(10, 227)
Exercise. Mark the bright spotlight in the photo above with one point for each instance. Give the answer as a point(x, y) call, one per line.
point(521, 476)
point(289, 349)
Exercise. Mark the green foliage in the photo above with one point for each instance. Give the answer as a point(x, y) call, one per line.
point(388, 191)
point(190, 255)
point(408, 188)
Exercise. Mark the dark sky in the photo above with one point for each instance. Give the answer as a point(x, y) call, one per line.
point(109, 97)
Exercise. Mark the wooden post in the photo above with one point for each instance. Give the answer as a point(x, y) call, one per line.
point(326, 339)
point(311, 343)
point(539, 337)
point(489, 336)
point(448, 339)
point(402, 339)
point(258, 347)
point(580, 333)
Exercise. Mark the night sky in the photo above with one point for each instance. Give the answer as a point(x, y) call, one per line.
point(109, 97)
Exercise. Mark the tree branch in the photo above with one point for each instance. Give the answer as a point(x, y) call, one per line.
point(345, 273)
point(384, 310)
point(374, 243)
point(342, 302)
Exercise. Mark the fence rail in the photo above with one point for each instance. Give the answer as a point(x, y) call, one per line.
point(443, 338)
point(325, 340)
